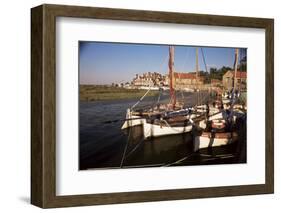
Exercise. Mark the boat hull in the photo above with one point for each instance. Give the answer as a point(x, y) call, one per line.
point(207, 140)
point(133, 121)
point(156, 130)
point(221, 116)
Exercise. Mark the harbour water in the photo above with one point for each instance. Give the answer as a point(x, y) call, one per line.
point(102, 142)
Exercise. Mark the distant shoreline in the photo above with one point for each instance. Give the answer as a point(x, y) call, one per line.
point(100, 93)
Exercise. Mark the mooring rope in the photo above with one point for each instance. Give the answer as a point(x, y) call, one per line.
point(125, 150)
point(179, 161)
point(134, 149)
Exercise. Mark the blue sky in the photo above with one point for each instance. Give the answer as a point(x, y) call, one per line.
point(105, 63)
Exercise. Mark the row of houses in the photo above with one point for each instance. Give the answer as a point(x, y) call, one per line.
point(190, 80)
point(150, 79)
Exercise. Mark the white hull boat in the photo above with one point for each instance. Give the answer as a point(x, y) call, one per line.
point(159, 127)
point(133, 121)
point(171, 119)
point(208, 139)
point(157, 130)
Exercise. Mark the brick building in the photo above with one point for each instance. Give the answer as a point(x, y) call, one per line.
point(188, 80)
point(240, 80)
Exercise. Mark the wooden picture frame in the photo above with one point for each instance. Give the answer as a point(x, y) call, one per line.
point(43, 105)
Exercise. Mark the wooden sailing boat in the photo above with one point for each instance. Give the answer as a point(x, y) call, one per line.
point(219, 129)
point(165, 119)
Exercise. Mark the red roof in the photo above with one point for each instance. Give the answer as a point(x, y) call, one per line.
point(240, 74)
point(185, 75)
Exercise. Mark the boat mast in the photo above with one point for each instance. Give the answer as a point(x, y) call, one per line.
point(197, 68)
point(235, 70)
point(234, 83)
point(172, 77)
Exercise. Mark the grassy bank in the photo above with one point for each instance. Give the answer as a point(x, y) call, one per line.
point(97, 93)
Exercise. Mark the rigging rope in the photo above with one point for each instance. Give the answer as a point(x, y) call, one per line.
point(141, 98)
point(206, 68)
point(162, 64)
point(149, 87)
point(203, 56)
point(184, 62)
point(159, 96)
point(180, 89)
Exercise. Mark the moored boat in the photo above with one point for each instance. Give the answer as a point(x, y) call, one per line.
point(163, 119)
point(212, 139)
point(219, 129)
point(162, 127)
point(169, 126)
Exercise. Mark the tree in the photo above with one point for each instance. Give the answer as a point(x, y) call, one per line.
point(218, 73)
point(243, 64)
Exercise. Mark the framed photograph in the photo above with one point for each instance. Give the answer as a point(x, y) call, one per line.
point(136, 106)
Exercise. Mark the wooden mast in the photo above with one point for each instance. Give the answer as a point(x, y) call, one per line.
point(234, 82)
point(235, 70)
point(171, 75)
point(197, 68)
